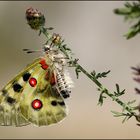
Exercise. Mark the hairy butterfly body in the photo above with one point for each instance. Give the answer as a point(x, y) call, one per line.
point(36, 95)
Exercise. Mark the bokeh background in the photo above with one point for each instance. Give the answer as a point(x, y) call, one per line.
point(95, 34)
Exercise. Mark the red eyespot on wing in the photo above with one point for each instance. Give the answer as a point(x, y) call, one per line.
point(53, 80)
point(37, 104)
point(43, 64)
point(33, 82)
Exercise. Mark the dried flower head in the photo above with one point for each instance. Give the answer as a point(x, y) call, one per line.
point(56, 39)
point(35, 18)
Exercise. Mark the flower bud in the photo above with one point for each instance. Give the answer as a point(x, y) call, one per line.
point(35, 18)
point(56, 39)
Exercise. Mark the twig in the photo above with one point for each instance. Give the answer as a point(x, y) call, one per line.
point(91, 77)
point(37, 21)
point(131, 12)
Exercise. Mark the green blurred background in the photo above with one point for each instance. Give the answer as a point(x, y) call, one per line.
point(95, 34)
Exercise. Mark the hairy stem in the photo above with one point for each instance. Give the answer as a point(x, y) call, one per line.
point(91, 77)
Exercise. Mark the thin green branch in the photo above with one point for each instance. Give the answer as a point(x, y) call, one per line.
point(36, 20)
point(101, 88)
point(131, 12)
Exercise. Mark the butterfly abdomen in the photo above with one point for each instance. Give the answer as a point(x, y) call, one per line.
point(62, 83)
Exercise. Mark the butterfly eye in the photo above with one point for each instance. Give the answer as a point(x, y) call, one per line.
point(46, 48)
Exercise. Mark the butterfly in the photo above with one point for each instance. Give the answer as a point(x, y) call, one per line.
point(36, 95)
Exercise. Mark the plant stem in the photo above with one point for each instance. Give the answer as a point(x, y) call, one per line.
point(128, 108)
point(99, 85)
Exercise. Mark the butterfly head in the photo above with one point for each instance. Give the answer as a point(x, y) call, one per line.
point(47, 48)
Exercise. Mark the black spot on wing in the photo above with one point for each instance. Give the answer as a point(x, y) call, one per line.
point(10, 100)
point(26, 76)
point(65, 93)
point(4, 92)
point(53, 103)
point(17, 87)
point(61, 103)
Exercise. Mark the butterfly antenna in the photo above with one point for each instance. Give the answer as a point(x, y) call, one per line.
point(25, 49)
point(30, 51)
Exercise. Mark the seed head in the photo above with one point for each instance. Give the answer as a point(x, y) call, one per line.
point(56, 39)
point(35, 18)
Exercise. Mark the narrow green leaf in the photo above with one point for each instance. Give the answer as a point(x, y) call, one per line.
point(117, 88)
point(132, 33)
point(50, 28)
point(99, 75)
point(131, 102)
point(77, 70)
point(101, 99)
point(104, 74)
point(125, 118)
point(116, 113)
point(93, 73)
point(129, 117)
